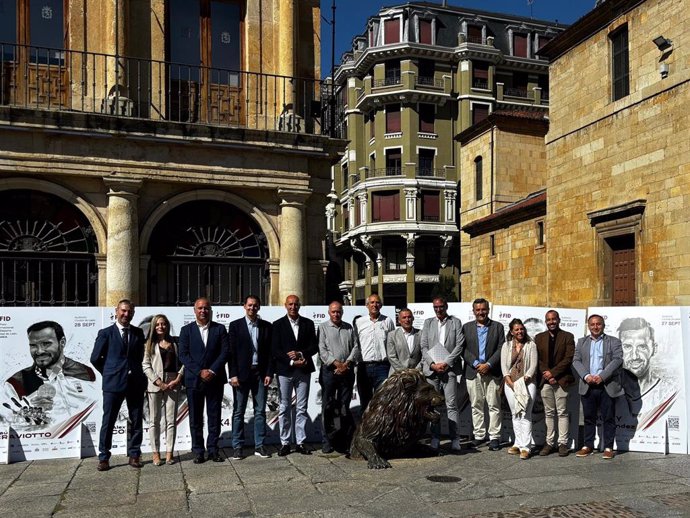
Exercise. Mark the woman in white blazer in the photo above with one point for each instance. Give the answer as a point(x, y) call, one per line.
point(164, 372)
point(519, 365)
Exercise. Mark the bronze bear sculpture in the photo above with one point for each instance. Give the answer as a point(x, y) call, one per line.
point(396, 418)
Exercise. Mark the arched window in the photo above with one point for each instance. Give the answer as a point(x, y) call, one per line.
point(478, 179)
point(206, 248)
point(47, 252)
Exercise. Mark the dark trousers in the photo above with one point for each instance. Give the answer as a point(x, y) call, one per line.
point(212, 395)
point(597, 401)
point(370, 376)
point(112, 401)
point(336, 395)
point(254, 386)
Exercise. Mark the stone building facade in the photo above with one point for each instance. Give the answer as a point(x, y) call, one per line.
point(503, 208)
point(618, 186)
point(420, 74)
point(160, 150)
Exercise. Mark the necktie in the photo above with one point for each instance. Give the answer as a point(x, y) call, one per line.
point(125, 337)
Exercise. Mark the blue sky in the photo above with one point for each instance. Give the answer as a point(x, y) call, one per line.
point(352, 15)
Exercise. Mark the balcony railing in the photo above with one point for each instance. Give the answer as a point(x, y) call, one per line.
point(429, 172)
point(126, 87)
point(429, 81)
point(516, 92)
point(391, 80)
point(480, 83)
point(384, 171)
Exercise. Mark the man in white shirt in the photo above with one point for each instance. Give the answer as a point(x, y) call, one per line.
point(372, 332)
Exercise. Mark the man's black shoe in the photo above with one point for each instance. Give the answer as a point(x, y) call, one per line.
point(284, 450)
point(494, 445)
point(262, 452)
point(327, 449)
point(476, 443)
point(237, 454)
point(215, 457)
point(301, 448)
point(199, 459)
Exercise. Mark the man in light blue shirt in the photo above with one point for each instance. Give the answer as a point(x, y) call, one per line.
point(597, 363)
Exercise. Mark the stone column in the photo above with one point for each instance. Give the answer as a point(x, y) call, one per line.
point(122, 261)
point(292, 276)
point(287, 43)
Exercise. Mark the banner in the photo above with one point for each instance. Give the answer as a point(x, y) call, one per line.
point(652, 416)
point(50, 399)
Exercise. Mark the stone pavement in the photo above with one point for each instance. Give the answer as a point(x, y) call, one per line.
point(477, 483)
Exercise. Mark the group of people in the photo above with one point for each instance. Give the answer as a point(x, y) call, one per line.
point(252, 351)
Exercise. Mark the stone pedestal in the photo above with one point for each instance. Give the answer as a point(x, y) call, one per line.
point(122, 263)
point(292, 244)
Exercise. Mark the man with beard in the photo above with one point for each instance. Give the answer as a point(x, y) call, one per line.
point(54, 387)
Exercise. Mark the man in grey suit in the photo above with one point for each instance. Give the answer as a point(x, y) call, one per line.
point(484, 339)
point(442, 345)
point(404, 344)
point(597, 363)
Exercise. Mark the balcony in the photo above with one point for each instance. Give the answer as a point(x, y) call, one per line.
point(428, 172)
point(56, 80)
point(384, 171)
point(390, 80)
point(429, 82)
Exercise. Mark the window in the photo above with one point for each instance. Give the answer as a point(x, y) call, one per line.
point(392, 76)
point(385, 206)
point(430, 206)
point(542, 40)
point(346, 217)
point(393, 162)
point(427, 114)
point(358, 213)
point(426, 162)
point(480, 75)
point(391, 29)
point(425, 72)
point(395, 252)
point(541, 236)
point(372, 36)
point(520, 45)
point(372, 124)
point(37, 24)
point(478, 179)
point(479, 112)
point(346, 176)
point(474, 34)
point(393, 118)
point(620, 70)
point(492, 245)
point(425, 32)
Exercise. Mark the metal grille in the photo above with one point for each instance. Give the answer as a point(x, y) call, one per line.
point(32, 280)
point(179, 283)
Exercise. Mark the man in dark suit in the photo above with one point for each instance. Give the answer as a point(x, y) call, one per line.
point(483, 341)
point(117, 355)
point(251, 371)
point(204, 350)
point(404, 344)
point(555, 348)
point(293, 343)
point(597, 362)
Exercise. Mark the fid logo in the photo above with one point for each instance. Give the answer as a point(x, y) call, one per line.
point(4, 318)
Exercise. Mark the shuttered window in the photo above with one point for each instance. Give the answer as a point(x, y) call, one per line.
point(392, 31)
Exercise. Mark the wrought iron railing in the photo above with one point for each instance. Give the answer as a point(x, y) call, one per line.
point(480, 83)
point(431, 172)
point(389, 80)
point(127, 87)
point(516, 92)
point(384, 171)
point(429, 81)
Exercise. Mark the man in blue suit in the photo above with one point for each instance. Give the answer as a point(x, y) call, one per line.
point(251, 371)
point(294, 343)
point(597, 362)
point(117, 355)
point(204, 350)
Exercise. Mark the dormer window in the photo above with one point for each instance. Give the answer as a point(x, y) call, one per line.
point(520, 45)
point(474, 34)
point(391, 31)
point(426, 28)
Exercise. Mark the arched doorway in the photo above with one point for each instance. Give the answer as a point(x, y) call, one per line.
point(206, 248)
point(47, 252)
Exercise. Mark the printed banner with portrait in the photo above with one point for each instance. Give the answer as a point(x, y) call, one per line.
point(652, 416)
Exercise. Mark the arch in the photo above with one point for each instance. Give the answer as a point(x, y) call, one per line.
point(92, 215)
point(254, 212)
